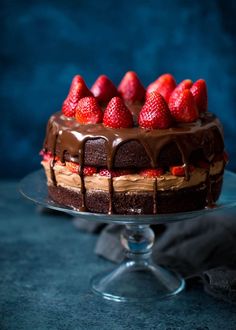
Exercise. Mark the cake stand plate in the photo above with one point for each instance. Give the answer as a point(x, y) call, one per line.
point(137, 277)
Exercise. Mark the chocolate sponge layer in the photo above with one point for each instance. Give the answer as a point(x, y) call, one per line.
point(169, 201)
point(133, 155)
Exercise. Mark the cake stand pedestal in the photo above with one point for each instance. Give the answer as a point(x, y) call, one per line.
point(137, 277)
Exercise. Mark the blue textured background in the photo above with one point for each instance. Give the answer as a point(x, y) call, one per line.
point(45, 43)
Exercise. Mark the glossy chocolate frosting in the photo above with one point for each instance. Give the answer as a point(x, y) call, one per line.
point(130, 147)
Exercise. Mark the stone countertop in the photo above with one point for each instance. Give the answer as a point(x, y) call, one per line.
point(45, 268)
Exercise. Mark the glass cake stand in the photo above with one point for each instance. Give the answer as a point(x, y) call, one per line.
point(137, 277)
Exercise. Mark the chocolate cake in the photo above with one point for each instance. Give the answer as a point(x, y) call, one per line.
point(131, 150)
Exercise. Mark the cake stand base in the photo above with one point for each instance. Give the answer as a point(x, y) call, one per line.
point(137, 277)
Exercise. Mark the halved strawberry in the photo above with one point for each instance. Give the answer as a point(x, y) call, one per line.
point(104, 89)
point(131, 88)
point(47, 156)
point(164, 85)
point(180, 170)
point(114, 173)
point(88, 111)
point(199, 91)
point(75, 167)
point(105, 172)
point(59, 162)
point(155, 112)
point(89, 170)
point(151, 172)
point(117, 115)
point(183, 108)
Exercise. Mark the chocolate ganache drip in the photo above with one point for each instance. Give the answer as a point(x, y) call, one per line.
point(66, 136)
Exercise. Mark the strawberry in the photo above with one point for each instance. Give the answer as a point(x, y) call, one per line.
point(105, 172)
point(88, 111)
point(78, 89)
point(75, 81)
point(151, 172)
point(47, 156)
point(164, 85)
point(114, 173)
point(58, 161)
point(68, 108)
point(104, 89)
point(199, 91)
point(131, 89)
point(185, 84)
point(183, 108)
point(75, 167)
point(117, 115)
point(155, 112)
point(89, 170)
point(180, 170)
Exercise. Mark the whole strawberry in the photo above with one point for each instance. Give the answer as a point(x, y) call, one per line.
point(75, 81)
point(68, 108)
point(88, 111)
point(104, 89)
point(185, 84)
point(183, 108)
point(164, 85)
point(199, 91)
point(117, 115)
point(155, 112)
point(131, 89)
point(78, 90)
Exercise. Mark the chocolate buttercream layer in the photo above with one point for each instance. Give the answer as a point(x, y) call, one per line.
point(130, 182)
point(169, 201)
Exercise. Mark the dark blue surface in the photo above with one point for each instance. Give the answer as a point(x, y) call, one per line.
point(45, 43)
point(45, 269)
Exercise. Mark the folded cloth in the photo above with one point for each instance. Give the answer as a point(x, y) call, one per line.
point(203, 247)
point(221, 283)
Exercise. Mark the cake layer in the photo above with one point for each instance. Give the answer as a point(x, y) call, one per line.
point(168, 201)
point(97, 145)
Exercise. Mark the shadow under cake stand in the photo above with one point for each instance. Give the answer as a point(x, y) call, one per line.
point(137, 277)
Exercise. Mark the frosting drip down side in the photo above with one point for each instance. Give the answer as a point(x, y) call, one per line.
point(66, 136)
